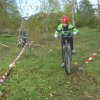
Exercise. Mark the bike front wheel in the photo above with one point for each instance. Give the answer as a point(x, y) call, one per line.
point(67, 60)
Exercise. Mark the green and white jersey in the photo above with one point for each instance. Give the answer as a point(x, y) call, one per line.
point(66, 29)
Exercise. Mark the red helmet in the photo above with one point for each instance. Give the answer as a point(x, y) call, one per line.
point(64, 19)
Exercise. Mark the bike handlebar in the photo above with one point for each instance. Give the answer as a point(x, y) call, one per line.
point(64, 36)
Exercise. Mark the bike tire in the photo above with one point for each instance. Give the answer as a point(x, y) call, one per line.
point(67, 59)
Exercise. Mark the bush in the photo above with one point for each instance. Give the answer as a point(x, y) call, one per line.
point(80, 21)
point(92, 22)
point(98, 25)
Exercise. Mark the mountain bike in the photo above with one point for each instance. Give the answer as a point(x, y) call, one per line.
point(22, 41)
point(67, 54)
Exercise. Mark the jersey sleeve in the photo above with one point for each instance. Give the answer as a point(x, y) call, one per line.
point(59, 28)
point(71, 27)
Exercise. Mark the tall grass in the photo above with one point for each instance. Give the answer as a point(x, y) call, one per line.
point(39, 76)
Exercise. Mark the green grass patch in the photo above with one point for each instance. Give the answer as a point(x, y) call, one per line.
point(39, 76)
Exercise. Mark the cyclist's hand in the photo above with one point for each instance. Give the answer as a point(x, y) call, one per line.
point(56, 35)
point(75, 33)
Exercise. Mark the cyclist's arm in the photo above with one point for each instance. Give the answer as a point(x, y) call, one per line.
point(72, 28)
point(58, 31)
point(59, 28)
point(76, 30)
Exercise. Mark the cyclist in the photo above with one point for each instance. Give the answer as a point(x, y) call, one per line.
point(23, 37)
point(65, 28)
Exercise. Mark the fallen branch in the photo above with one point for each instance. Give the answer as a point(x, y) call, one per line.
point(4, 45)
point(12, 64)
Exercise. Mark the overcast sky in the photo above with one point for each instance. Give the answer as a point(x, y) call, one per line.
point(29, 7)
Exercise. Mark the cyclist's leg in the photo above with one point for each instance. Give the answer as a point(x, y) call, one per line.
point(22, 44)
point(70, 40)
point(24, 41)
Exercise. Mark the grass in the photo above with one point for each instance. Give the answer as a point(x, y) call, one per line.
point(39, 76)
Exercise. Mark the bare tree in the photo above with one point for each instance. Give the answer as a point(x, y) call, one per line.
point(73, 7)
point(98, 8)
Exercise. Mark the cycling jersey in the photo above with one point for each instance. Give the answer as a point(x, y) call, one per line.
point(66, 29)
